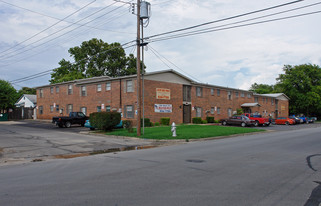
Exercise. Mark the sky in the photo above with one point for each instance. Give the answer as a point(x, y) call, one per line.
point(233, 52)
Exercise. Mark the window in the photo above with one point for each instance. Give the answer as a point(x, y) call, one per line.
point(237, 94)
point(212, 110)
point(229, 95)
point(40, 109)
point(41, 93)
point(199, 91)
point(83, 91)
point(70, 89)
point(57, 108)
point(69, 108)
point(242, 94)
point(256, 99)
point(107, 108)
point(229, 112)
point(51, 90)
point(212, 91)
point(98, 108)
point(108, 86)
point(218, 92)
point(51, 108)
point(218, 110)
point(98, 87)
point(249, 95)
point(272, 101)
point(198, 112)
point(129, 86)
point(129, 111)
point(187, 93)
point(83, 110)
point(57, 89)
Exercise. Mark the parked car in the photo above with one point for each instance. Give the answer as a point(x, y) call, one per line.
point(259, 120)
point(310, 120)
point(284, 120)
point(238, 120)
point(296, 119)
point(73, 118)
point(87, 125)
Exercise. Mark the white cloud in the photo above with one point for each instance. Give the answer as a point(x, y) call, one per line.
point(235, 58)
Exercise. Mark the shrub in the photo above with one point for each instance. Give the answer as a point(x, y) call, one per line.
point(156, 124)
point(197, 120)
point(104, 120)
point(165, 120)
point(210, 119)
point(128, 124)
point(147, 122)
point(217, 121)
point(204, 122)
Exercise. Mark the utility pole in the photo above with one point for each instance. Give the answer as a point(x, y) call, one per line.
point(138, 72)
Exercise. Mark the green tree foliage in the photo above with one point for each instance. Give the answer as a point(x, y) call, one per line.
point(302, 84)
point(95, 58)
point(8, 95)
point(26, 90)
point(264, 88)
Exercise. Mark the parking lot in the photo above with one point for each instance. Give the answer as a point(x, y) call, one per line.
point(30, 140)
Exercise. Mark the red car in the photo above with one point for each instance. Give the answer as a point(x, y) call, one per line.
point(284, 120)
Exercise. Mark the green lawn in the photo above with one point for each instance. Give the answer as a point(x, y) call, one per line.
point(186, 132)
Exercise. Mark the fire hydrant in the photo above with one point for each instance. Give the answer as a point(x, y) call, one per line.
point(173, 129)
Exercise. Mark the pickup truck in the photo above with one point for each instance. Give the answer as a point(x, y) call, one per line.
point(73, 118)
point(259, 120)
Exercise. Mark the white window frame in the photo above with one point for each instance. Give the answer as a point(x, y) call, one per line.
point(108, 86)
point(98, 87)
point(129, 86)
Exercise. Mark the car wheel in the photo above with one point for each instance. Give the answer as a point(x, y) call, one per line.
point(286, 123)
point(83, 124)
point(224, 123)
point(268, 124)
point(60, 125)
point(256, 123)
point(243, 124)
point(67, 124)
point(91, 128)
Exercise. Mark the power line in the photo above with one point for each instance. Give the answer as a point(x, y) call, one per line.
point(49, 26)
point(37, 75)
point(64, 29)
point(158, 55)
point(232, 27)
point(224, 19)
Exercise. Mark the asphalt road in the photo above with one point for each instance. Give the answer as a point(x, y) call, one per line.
point(275, 168)
point(26, 141)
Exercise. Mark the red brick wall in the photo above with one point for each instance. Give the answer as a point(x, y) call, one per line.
point(118, 97)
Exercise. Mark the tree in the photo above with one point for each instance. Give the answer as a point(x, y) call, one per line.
point(95, 58)
point(262, 88)
point(26, 90)
point(8, 95)
point(302, 84)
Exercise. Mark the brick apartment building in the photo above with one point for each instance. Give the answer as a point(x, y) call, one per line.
point(166, 94)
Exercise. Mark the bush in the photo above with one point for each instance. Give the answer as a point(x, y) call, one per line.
point(156, 124)
point(147, 122)
point(204, 122)
point(210, 119)
point(165, 120)
point(197, 120)
point(217, 121)
point(128, 124)
point(104, 120)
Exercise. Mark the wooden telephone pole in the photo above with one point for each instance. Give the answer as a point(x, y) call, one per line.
point(138, 72)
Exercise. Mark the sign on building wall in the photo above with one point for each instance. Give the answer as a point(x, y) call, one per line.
point(163, 108)
point(163, 93)
point(282, 108)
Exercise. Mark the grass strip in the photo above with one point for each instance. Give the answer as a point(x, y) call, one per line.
point(186, 132)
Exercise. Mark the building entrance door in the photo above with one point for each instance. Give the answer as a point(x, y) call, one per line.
point(187, 113)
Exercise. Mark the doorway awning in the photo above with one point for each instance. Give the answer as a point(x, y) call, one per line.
point(251, 105)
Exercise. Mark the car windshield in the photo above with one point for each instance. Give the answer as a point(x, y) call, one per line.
point(245, 118)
